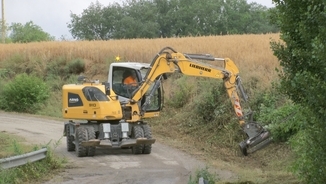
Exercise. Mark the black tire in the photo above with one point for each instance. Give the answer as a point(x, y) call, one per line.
point(70, 140)
point(147, 134)
point(137, 132)
point(81, 135)
point(91, 135)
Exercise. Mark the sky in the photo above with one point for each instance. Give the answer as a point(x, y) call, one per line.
point(53, 15)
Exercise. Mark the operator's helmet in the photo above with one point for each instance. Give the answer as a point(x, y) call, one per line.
point(126, 74)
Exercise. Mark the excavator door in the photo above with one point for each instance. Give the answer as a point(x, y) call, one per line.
point(152, 101)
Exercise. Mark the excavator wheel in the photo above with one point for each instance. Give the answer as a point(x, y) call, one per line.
point(137, 132)
point(70, 140)
point(147, 134)
point(91, 135)
point(243, 148)
point(81, 135)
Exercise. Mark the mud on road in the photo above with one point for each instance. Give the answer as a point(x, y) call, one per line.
point(165, 165)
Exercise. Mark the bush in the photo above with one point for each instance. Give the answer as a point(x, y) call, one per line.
point(19, 63)
point(75, 66)
point(13, 65)
point(212, 103)
point(206, 176)
point(301, 52)
point(3, 73)
point(310, 152)
point(63, 69)
point(55, 83)
point(283, 118)
point(180, 93)
point(283, 122)
point(24, 94)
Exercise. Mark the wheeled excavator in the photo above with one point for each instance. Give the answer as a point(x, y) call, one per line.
point(113, 114)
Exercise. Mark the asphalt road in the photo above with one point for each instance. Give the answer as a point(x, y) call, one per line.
point(165, 165)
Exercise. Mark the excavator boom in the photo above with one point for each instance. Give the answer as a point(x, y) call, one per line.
point(169, 61)
point(112, 114)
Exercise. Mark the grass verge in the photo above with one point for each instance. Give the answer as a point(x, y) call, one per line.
point(219, 150)
point(31, 172)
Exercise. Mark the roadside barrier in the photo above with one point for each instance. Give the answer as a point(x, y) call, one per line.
point(15, 161)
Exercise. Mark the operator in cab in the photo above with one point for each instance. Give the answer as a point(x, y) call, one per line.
point(129, 78)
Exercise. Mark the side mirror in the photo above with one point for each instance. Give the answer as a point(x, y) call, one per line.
point(107, 91)
point(107, 88)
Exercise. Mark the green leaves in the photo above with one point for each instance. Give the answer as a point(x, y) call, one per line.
point(90, 24)
point(303, 57)
point(169, 18)
point(181, 92)
point(24, 94)
point(28, 33)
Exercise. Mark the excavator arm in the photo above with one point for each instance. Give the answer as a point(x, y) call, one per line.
point(169, 61)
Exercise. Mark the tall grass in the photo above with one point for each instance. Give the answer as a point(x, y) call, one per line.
point(251, 53)
point(55, 61)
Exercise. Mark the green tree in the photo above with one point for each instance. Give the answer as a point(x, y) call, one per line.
point(28, 33)
point(164, 10)
point(168, 18)
point(112, 15)
point(303, 59)
point(95, 22)
point(136, 19)
point(139, 20)
point(209, 18)
point(7, 39)
point(259, 20)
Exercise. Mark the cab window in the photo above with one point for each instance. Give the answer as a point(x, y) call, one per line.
point(94, 94)
point(119, 88)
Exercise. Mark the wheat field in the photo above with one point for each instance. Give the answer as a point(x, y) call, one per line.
point(251, 53)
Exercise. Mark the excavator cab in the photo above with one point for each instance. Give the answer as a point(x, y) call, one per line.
point(118, 72)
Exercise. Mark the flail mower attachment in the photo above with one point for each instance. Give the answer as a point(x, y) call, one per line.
point(258, 138)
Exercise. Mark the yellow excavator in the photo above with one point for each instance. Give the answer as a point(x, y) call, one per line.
point(112, 114)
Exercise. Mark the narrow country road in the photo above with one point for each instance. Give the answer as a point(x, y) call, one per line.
point(164, 165)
